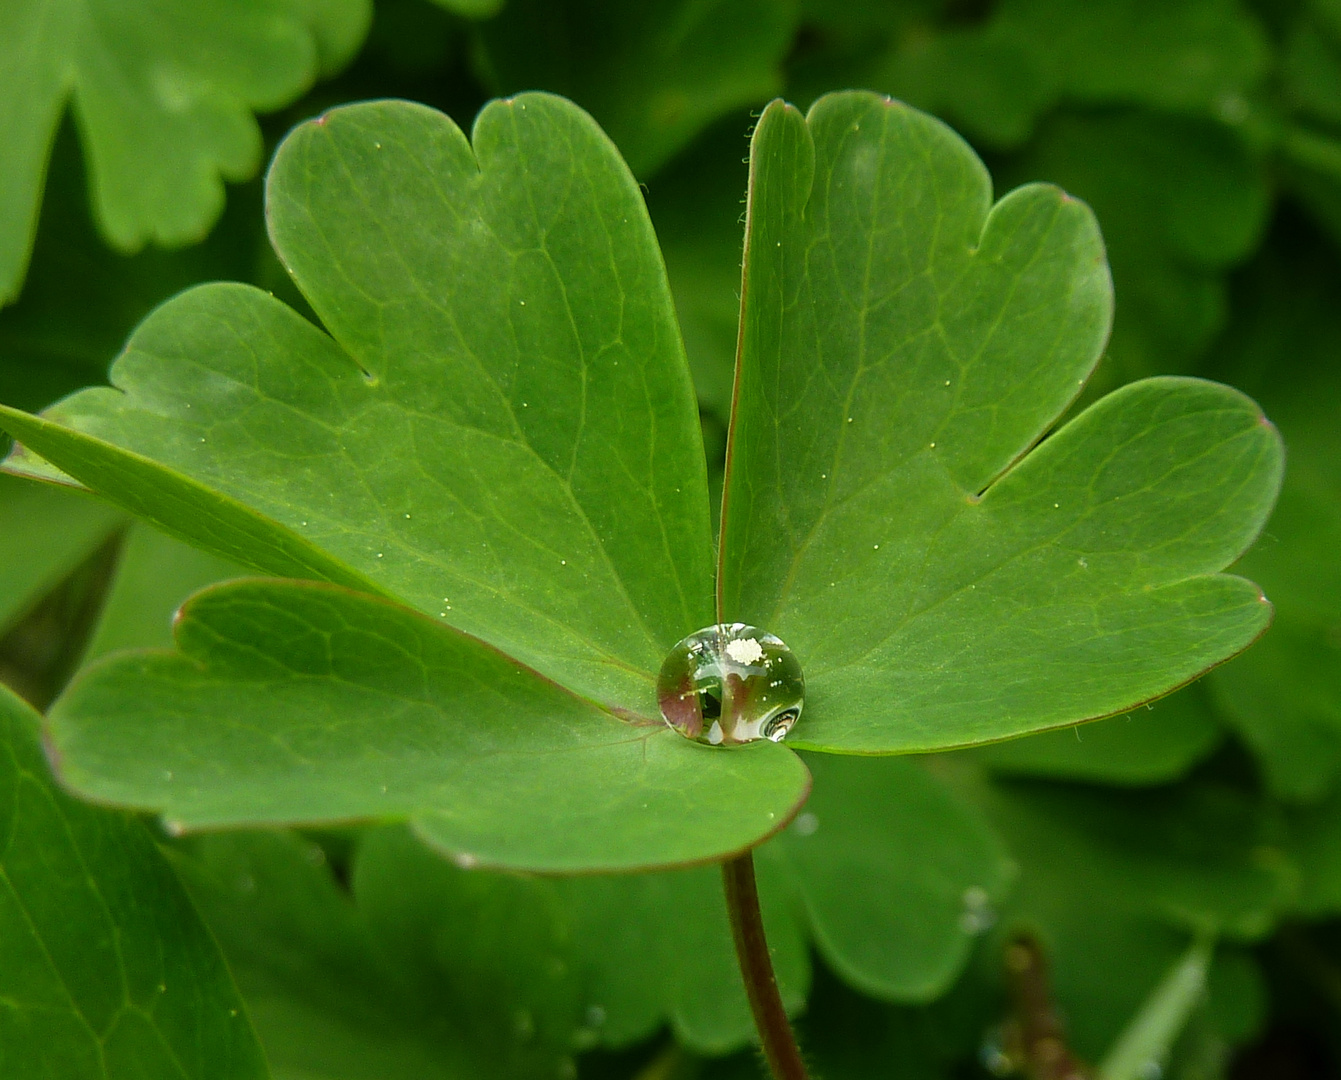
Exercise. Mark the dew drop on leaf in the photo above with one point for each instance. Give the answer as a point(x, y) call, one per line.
point(731, 683)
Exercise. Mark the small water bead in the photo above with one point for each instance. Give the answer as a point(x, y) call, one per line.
point(731, 683)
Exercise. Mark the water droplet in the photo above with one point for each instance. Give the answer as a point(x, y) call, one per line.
point(933, 446)
point(595, 1015)
point(407, 517)
point(379, 554)
point(713, 686)
point(806, 824)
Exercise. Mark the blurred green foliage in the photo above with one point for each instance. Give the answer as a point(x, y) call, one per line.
point(1206, 136)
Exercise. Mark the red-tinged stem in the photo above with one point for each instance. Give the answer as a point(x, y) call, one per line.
point(747, 927)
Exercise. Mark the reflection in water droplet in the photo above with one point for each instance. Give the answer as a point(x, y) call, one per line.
point(731, 683)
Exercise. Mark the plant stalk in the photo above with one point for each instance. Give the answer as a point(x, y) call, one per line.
point(756, 967)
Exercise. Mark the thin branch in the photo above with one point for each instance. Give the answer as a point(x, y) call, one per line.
point(761, 987)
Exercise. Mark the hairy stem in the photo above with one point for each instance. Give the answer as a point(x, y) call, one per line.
point(747, 927)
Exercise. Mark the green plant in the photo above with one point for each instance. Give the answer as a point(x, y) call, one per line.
point(481, 480)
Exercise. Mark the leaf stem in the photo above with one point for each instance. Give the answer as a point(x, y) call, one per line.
point(756, 967)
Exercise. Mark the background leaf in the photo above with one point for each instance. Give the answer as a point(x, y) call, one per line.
point(1150, 745)
point(327, 1003)
point(886, 874)
point(45, 532)
point(995, 79)
point(182, 81)
point(107, 970)
point(653, 74)
point(1285, 697)
point(1115, 883)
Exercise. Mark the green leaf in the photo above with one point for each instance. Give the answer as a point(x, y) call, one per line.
point(496, 946)
point(297, 702)
point(327, 1002)
point(896, 875)
point(696, 204)
point(1113, 883)
point(1187, 56)
point(904, 345)
point(338, 29)
point(1152, 745)
point(107, 970)
point(154, 576)
point(1284, 697)
point(1180, 201)
point(653, 73)
point(472, 9)
point(164, 94)
point(1156, 1026)
point(503, 428)
point(56, 338)
point(886, 873)
point(1314, 843)
point(45, 532)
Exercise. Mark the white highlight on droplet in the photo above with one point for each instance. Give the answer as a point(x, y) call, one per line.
point(745, 650)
